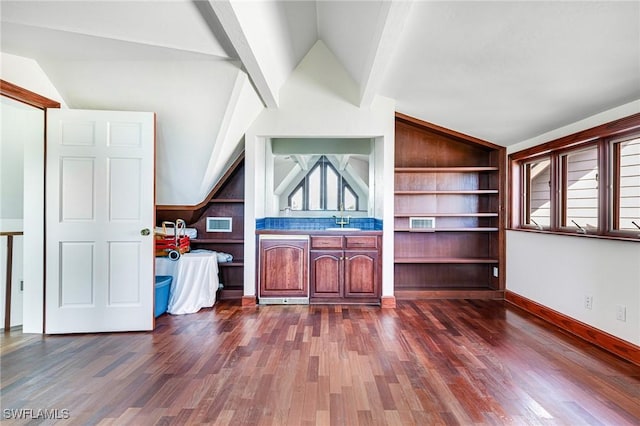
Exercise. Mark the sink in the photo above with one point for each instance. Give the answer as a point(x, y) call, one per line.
point(342, 229)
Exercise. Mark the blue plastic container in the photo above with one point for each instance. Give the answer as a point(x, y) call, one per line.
point(163, 285)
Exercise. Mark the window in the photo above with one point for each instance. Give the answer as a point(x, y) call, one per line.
point(579, 209)
point(626, 181)
point(323, 188)
point(350, 199)
point(296, 199)
point(587, 183)
point(538, 193)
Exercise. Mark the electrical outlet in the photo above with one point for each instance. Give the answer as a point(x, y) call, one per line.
point(588, 302)
point(621, 312)
point(495, 271)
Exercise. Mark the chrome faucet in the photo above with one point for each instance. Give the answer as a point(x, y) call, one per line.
point(342, 221)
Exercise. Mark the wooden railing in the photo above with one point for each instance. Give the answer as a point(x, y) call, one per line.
point(7, 300)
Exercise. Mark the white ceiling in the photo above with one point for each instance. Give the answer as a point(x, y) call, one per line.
point(508, 71)
point(172, 24)
point(497, 70)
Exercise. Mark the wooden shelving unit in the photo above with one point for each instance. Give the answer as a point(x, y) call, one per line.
point(444, 169)
point(217, 241)
point(445, 260)
point(226, 199)
point(431, 214)
point(467, 229)
point(456, 182)
point(454, 192)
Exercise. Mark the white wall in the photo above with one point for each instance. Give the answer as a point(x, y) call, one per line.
point(190, 99)
point(559, 271)
point(14, 117)
point(320, 100)
point(27, 74)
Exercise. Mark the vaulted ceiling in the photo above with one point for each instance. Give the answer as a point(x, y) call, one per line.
point(497, 70)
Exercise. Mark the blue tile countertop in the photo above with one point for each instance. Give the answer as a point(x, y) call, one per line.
point(315, 223)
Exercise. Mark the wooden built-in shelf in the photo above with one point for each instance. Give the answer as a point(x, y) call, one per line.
point(462, 229)
point(449, 293)
point(448, 192)
point(227, 200)
point(444, 169)
point(218, 240)
point(446, 215)
point(458, 179)
point(463, 260)
point(231, 264)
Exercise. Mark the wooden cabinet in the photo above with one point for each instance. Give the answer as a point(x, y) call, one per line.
point(448, 213)
point(360, 273)
point(327, 271)
point(284, 268)
point(345, 269)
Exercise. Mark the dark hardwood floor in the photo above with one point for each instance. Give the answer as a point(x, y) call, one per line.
point(424, 363)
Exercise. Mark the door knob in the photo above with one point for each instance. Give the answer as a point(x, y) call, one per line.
point(145, 231)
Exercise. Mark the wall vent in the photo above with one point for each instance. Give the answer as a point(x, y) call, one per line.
point(219, 224)
point(422, 223)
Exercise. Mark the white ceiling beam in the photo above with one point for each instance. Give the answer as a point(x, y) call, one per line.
point(292, 178)
point(243, 107)
point(357, 183)
point(232, 27)
point(392, 20)
point(302, 161)
point(342, 162)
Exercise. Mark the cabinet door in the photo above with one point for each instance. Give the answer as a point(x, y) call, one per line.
point(361, 274)
point(283, 268)
point(326, 273)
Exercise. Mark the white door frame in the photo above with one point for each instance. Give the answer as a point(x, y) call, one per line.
point(34, 239)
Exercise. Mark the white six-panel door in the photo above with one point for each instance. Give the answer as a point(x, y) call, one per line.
point(99, 202)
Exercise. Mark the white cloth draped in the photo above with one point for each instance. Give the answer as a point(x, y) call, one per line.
point(195, 281)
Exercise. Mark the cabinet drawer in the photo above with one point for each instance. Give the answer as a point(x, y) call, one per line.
point(362, 241)
point(326, 242)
